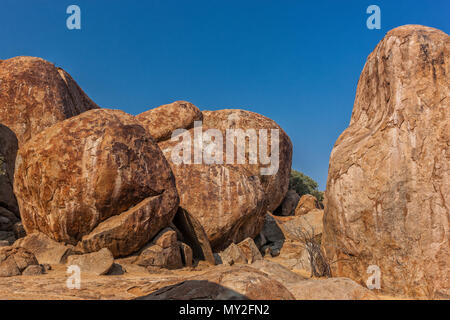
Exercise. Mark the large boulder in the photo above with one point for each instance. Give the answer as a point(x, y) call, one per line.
point(228, 198)
point(162, 121)
point(274, 176)
point(97, 180)
point(228, 203)
point(225, 283)
point(34, 95)
point(388, 190)
point(8, 152)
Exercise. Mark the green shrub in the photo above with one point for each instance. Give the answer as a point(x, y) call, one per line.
point(303, 184)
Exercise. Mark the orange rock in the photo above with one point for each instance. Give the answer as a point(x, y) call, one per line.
point(98, 177)
point(34, 95)
point(388, 190)
point(307, 203)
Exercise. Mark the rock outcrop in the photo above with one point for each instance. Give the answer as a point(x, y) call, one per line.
point(97, 180)
point(34, 95)
point(162, 121)
point(387, 201)
point(226, 202)
point(276, 182)
point(228, 198)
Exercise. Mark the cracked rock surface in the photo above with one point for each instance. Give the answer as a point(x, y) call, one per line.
point(387, 198)
point(99, 178)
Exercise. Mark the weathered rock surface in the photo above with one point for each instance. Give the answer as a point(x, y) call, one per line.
point(33, 270)
point(289, 204)
point(46, 250)
point(96, 263)
point(226, 202)
point(330, 289)
point(277, 271)
point(232, 255)
point(194, 235)
point(225, 283)
point(387, 199)
point(8, 152)
point(163, 252)
point(250, 250)
point(306, 204)
point(99, 178)
point(34, 95)
point(227, 197)
point(276, 183)
point(13, 261)
point(310, 224)
point(162, 121)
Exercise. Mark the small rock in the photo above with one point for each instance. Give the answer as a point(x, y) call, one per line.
point(166, 238)
point(250, 250)
point(306, 204)
point(33, 270)
point(155, 256)
point(14, 260)
point(116, 270)
point(232, 255)
point(46, 250)
point(98, 263)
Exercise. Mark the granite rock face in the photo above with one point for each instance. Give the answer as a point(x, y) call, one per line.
point(97, 180)
point(387, 201)
point(162, 121)
point(274, 182)
point(34, 95)
point(225, 283)
point(230, 197)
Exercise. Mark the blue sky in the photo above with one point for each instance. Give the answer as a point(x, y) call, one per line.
point(297, 62)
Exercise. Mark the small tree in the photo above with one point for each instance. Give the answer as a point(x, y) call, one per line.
point(303, 184)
